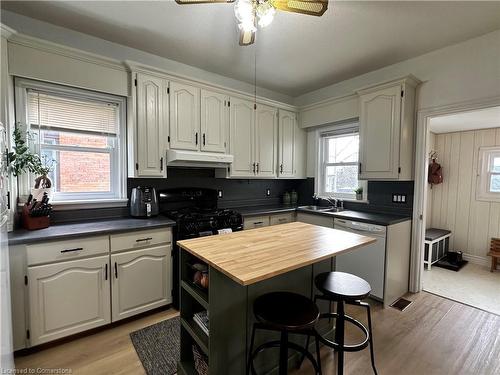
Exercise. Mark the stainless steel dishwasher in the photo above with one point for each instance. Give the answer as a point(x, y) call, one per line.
point(367, 262)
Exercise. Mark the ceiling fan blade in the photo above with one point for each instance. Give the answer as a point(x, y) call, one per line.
point(310, 7)
point(185, 2)
point(246, 37)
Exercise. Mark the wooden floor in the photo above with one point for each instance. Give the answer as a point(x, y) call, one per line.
point(433, 336)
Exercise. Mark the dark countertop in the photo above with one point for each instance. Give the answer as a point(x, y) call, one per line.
point(362, 216)
point(88, 228)
point(264, 210)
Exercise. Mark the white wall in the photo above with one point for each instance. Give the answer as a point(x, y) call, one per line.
point(67, 37)
point(465, 71)
point(454, 204)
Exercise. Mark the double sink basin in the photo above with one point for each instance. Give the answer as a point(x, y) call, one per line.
point(321, 209)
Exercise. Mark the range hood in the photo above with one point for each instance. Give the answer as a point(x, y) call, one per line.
point(178, 158)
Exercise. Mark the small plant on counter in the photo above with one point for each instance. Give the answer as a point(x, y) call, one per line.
point(359, 193)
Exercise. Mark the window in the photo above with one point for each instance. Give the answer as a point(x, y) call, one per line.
point(488, 177)
point(81, 134)
point(339, 154)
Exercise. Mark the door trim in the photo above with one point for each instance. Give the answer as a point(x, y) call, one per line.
point(420, 197)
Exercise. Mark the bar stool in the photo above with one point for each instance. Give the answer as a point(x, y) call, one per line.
point(286, 313)
point(345, 288)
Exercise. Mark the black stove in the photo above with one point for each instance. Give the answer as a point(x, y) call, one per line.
point(195, 213)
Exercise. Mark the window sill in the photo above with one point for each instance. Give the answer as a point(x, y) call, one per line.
point(364, 200)
point(84, 204)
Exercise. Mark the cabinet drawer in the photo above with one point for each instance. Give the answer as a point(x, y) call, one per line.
point(281, 219)
point(56, 251)
point(143, 238)
point(256, 222)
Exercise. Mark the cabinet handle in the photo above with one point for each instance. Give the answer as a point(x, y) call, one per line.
point(253, 168)
point(144, 239)
point(359, 167)
point(281, 168)
point(257, 167)
point(71, 250)
point(161, 164)
point(196, 138)
point(258, 223)
point(116, 271)
point(106, 272)
point(203, 139)
point(282, 219)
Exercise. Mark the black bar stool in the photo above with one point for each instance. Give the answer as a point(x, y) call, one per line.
point(345, 288)
point(285, 312)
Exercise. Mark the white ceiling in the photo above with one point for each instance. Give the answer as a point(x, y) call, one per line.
point(464, 121)
point(295, 54)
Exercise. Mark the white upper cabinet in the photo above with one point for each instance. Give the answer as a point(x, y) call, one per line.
point(184, 117)
point(214, 121)
point(241, 137)
point(266, 140)
point(386, 128)
point(152, 125)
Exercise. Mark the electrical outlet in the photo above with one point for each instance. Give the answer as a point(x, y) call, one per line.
point(399, 198)
point(220, 194)
point(268, 192)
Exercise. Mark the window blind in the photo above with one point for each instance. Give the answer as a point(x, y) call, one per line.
point(340, 130)
point(49, 111)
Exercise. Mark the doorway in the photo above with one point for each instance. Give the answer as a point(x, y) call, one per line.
point(461, 214)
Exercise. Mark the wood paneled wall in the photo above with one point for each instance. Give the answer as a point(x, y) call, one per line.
point(454, 205)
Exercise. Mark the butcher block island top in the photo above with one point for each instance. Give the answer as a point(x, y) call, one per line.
point(255, 255)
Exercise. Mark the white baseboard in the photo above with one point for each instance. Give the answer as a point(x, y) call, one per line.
point(476, 259)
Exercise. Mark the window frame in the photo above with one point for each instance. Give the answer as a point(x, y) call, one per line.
point(483, 178)
point(118, 158)
point(333, 131)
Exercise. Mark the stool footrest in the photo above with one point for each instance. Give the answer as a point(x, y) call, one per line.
point(347, 348)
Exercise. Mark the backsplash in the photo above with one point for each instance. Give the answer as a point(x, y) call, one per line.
point(236, 192)
point(249, 192)
point(379, 196)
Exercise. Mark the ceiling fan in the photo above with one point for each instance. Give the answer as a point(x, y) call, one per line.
point(252, 12)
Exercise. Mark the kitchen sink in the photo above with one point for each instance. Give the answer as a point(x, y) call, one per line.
point(321, 208)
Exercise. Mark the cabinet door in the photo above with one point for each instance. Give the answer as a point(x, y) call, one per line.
point(184, 117)
point(287, 144)
point(68, 297)
point(141, 281)
point(241, 137)
point(214, 121)
point(379, 128)
point(266, 140)
point(151, 131)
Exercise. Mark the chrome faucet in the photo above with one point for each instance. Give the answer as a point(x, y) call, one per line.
point(333, 201)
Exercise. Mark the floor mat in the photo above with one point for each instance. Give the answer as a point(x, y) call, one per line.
point(158, 346)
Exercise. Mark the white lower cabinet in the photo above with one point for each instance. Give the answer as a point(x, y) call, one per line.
point(140, 281)
point(264, 221)
point(68, 297)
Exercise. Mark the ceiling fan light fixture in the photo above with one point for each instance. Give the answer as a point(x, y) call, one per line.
point(244, 11)
point(265, 11)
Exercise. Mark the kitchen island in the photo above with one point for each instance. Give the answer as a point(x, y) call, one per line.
point(241, 267)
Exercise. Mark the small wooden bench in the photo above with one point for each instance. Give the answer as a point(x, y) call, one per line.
point(437, 242)
point(494, 253)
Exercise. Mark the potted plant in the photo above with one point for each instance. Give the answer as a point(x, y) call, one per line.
point(23, 160)
point(359, 193)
